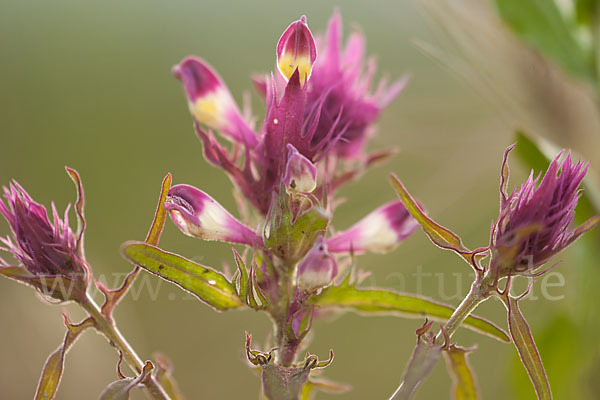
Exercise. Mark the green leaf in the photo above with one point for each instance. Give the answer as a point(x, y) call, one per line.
point(440, 236)
point(585, 11)
point(540, 23)
point(324, 385)
point(290, 236)
point(53, 368)
point(160, 216)
point(114, 296)
point(463, 379)
point(422, 361)
point(528, 352)
point(79, 205)
point(380, 301)
point(119, 390)
point(164, 376)
point(243, 292)
point(537, 155)
point(208, 285)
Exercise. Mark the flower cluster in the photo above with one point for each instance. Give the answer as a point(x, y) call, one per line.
point(320, 110)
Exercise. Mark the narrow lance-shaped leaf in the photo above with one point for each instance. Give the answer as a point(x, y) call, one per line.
point(528, 352)
point(439, 235)
point(379, 301)
point(53, 368)
point(114, 296)
point(422, 361)
point(243, 291)
point(208, 285)
point(160, 216)
point(324, 385)
point(164, 376)
point(463, 379)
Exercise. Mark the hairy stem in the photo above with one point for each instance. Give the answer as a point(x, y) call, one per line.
point(109, 329)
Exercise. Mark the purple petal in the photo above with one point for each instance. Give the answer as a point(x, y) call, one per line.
point(296, 50)
point(211, 102)
point(199, 215)
point(378, 232)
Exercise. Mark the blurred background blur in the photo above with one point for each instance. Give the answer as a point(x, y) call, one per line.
point(88, 84)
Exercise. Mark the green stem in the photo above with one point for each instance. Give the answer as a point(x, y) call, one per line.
point(108, 328)
point(287, 346)
point(478, 294)
point(480, 291)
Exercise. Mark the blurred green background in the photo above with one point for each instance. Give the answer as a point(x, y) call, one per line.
point(88, 84)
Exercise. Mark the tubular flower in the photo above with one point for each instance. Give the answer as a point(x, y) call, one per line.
point(49, 253)
point(296, 49)
point(379, 232)
point(534, 222)
point(199, 215)
point(323, 107)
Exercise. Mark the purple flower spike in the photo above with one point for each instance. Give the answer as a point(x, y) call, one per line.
point(300, 173)
point(211, 102)
point(534, 221)
point(378, 232)
point(318, 268)
point(199, 215)
point(296, 49)
point(341, 88)
point(332, 113)
point(47, 250)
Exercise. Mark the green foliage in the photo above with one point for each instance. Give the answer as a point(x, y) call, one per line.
point(424, 357)
point(463, 379)
point(53, 368)
point(210, 286)
point(528, 352)
point(440, 236)
point(540, 23)
point(380, 301)
point(290, 236)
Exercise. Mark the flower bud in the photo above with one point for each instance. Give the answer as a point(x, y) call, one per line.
point(300, 173)
point(296, 49)
point(534, 222)
point(48, 251)
point(199, 215)
point(378, 232)
point(318, 268)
